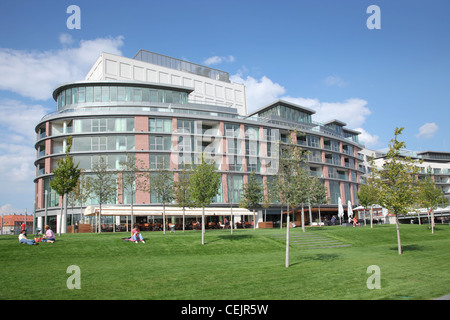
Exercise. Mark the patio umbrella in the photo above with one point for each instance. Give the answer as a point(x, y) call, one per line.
point(340, 209)
point(349, 210)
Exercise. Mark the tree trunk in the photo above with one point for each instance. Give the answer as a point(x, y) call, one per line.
point(310, 215)
point(100, 218)
point(203, 225)
point(281, 218)
point(164, 219)
point(371, 217)
point(303, 219)
point(364, 213)
point(399, 243)
point(132, 208)
point(432, 221)
point(184, 217)
point(287, 240)
point(320, 219)
point(231, 221)
point(254, 220)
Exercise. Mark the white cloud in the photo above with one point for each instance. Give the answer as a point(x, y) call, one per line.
point(19, 119)
point(9, 209)
point(65, 38)
point(427, 130)
point(369, 141)
point(261, 92)
point(17, 152)
point(217, 60)
point(34, 74)
point(334, 80)
point(258, 92)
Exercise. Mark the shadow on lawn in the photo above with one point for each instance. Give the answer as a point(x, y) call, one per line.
point(410, 247)
point(324, 257)
point(235, 236)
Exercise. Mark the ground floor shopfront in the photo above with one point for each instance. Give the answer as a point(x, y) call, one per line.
point(151, 218)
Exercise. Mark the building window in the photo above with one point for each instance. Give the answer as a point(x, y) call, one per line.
point(160, 143)
point(98, 143)
point(185, 126)
point(160, 125)
point(159, 161)
point(251, 148)
point(232, 130)
point(98, 125)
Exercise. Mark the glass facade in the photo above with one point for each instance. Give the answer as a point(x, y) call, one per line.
point(288, 113)
point(92, 94)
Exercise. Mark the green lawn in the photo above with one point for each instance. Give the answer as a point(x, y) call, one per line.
point(247, 265)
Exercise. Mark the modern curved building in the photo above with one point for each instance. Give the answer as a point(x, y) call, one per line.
point(168, 111)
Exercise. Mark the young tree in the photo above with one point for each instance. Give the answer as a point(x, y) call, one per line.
point(292, 183)
point(368, 196)
point(253, 195)
point(80, 194)
point(204, 183)
point(64, 180)
point(103, 186)
point(430, 197)
point(181, 193)
point(397, 181)
point(267, 196)
point(134, 177)
point(318, 194)
point(162, 186)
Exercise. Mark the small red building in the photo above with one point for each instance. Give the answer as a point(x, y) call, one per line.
point(12, 223)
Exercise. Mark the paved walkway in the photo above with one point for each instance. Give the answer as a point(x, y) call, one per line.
point(446, 297)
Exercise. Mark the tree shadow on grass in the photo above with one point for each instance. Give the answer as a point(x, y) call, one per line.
point(235, 237)
point(324, 257)
point(409, 247)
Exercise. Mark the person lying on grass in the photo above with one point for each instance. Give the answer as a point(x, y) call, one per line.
point(23, 238)
point(136, 236)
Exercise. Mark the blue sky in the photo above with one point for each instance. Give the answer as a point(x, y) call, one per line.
point(317, 53)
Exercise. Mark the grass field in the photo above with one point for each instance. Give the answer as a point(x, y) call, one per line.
point(248, 265)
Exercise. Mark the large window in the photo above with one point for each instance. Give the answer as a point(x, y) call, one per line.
point(159, 161)
point(160, 143)
point(100, 143)
point(335, 191)
point(185, 126)
point(86, 162)
point(235, 187)
point(103, 125)
point(160, 125)
point(232, 130)
point(79, 95)
point(288, 113)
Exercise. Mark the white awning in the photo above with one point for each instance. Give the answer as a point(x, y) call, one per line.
point(158, 211)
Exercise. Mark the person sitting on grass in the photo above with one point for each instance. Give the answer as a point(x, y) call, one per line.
point(137, 236)
point(23, 238)
point(49, 235)
point(355, 222)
